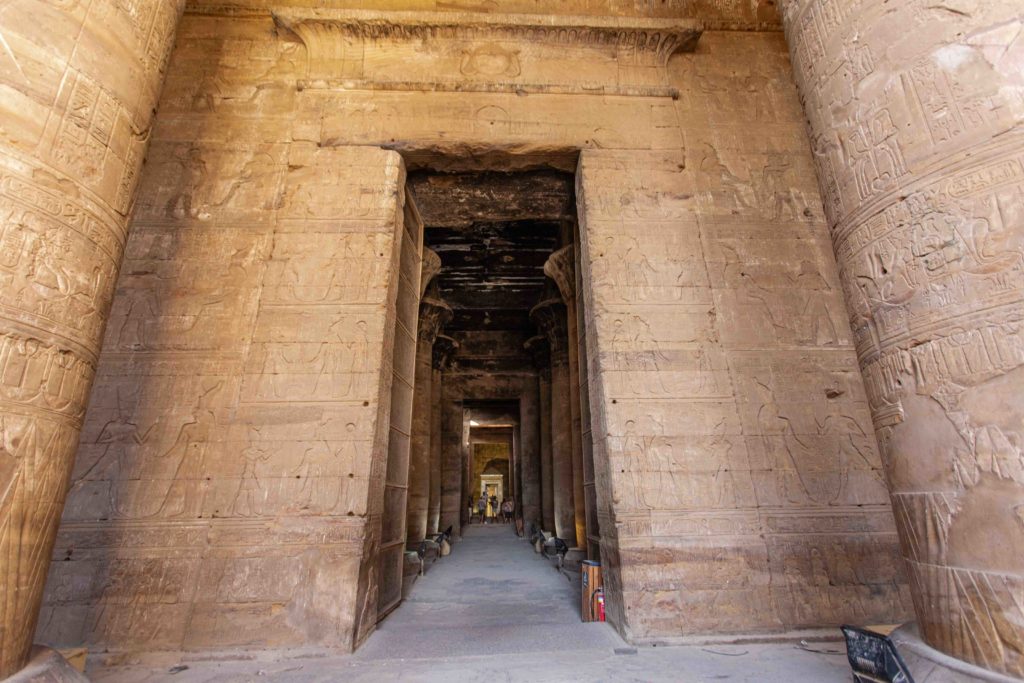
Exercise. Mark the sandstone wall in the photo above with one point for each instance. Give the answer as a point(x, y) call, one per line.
point(746, 490)
point(738, 484)
point(222, 491)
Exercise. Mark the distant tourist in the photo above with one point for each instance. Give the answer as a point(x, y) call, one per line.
point(507, 507)
point(481, 506)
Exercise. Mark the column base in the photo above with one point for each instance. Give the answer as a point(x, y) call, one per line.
point(928, 664)
point(47, 666)
point(917, 658)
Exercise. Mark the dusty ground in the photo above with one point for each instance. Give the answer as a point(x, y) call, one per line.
point(496, 612)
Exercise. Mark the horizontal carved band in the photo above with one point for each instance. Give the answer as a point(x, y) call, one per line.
point(324, 31)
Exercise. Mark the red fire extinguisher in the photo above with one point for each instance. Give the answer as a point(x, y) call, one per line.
point(599, 596)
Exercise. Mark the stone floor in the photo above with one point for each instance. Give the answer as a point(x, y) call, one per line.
point(496, 612)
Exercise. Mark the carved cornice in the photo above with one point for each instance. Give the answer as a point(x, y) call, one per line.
point(429, 270)
point(434, 314)
point(561, 267)
point(652, 41)
point(445, 348)
point(550, 318)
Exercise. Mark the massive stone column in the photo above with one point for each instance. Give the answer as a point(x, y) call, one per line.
point(529, 431)
point(549, 316)
point(561, 267)
point(453, 495)
point(915, 113)
point(444, 348)
point(434, 313)
point(540, 351)
point(80, 82)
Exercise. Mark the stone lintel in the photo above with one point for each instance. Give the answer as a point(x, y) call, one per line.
point(646, 41)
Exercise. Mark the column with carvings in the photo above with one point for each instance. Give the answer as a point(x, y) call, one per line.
point(915, 113)
point(444, 349)
point(80, 84)
point(549, 316)
point(453, 466)
point(529, 429)
point(434, 313)
point(539, 350)
point(561, 268)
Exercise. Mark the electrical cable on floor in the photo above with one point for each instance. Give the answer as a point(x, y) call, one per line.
point(804, 646)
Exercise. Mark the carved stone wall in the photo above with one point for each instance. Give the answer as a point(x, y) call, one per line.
point(915, 114)
point(78, 86)
point(738, 483)
point(740, 461)
point(228, 485)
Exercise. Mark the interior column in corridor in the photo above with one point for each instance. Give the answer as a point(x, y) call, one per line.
point(80, 87)
point(529, 454)
point(549, 316)
point(539, 350)
point(915, 115)
point(434, 313)
point(444, 349)
point(453, 492)
point(561, 267)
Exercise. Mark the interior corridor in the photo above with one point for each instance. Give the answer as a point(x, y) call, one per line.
point(493, 595)
point(495, 611)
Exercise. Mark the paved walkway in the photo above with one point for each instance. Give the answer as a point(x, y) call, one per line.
point(496, 612)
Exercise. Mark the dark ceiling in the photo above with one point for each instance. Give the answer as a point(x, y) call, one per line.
point(493, 232)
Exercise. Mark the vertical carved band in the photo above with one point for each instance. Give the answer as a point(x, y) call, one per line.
point(915, 115)
point(76, 111)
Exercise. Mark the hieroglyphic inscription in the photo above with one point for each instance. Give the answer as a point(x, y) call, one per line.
point(925, 181)
point(76, 131)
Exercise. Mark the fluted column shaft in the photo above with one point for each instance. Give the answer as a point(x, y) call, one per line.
point(75, 111)
point(915, 113)
point(434, 313)
point(550, 318)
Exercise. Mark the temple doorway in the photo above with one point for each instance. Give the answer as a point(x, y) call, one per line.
point(499, 418)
